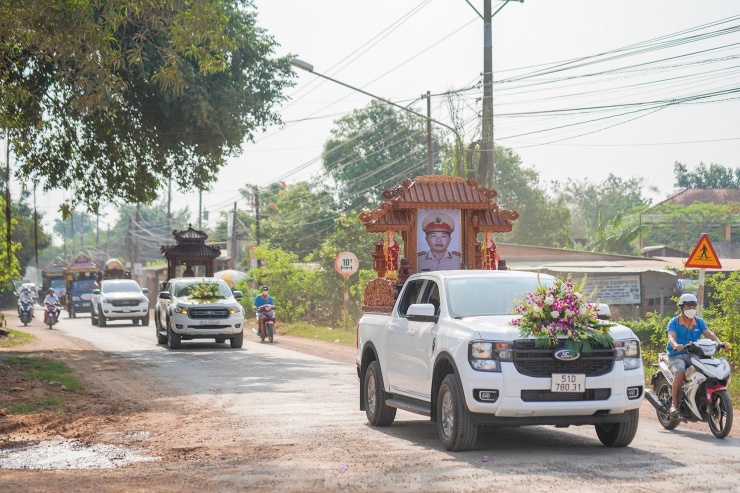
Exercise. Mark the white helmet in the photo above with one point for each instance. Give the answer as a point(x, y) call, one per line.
point(687, 299)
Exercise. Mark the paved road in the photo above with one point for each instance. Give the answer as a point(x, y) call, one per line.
point(305, 410)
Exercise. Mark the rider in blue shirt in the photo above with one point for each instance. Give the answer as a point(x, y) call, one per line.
point(682, 330)
point(259, 300)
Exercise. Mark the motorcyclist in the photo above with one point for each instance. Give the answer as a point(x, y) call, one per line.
point(682, 330)
point(25, 296)
point(260, 300)
point(52, 299)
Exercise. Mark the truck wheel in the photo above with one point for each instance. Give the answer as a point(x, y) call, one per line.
point(72, 313)
point(619, 434)
point(173, 340)
point(377, 411)
point(664, 392)
point(93, 321)
point(101, 318)
point(238, 340)
point(161, 339)
point(456, 425)
point(145, 320)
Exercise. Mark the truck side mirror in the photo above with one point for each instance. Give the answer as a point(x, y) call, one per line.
point(422, 312)
point(238, 295)
point(145, 290)
point(96, 291)
point(164, 295)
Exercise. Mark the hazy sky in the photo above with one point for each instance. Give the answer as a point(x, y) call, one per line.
point(536, 32)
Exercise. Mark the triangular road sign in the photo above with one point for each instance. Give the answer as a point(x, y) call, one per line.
point(703, 256)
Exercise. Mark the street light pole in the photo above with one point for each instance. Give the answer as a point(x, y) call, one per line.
point(430, 162)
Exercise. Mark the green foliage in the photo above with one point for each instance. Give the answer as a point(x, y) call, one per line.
point(651, 332)
point(16, 338)
point(724, 309)
point(144, 90)
point(48, 371)
point(373, 149)
point(9, 266)
point(292, 285)
point(614, 236)
point(679, 226)
point(345, 335)
point(716, 176)
point(205, 291)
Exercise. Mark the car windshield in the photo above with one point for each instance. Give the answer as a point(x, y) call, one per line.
point(84, 286)
point(121, 287)
point(481, 296)
point(182, 288)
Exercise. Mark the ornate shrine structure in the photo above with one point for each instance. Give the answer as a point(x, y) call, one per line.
point(191, 250)
point(467, 202)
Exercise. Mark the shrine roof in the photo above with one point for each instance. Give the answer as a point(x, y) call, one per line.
point(189, 234)
point(56, 266)
point(440, 192)
point(82, 263)
point(190, 251)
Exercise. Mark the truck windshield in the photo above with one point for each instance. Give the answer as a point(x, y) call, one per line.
point(57, 283)
point(121, 287)
point(85, 286)
point(481, 296)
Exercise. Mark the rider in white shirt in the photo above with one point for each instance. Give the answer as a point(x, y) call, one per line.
point(51, 298)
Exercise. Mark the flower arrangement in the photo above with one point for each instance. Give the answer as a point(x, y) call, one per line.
point(205, 291)
point(562, 311)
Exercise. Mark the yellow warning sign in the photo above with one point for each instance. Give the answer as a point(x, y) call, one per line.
point(703, 256)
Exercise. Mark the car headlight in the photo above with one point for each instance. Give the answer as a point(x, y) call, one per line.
point(487, 355)
point(181, 309)
point(76, 298)
point(107, 300)
point(629, 352)
point(142, 299)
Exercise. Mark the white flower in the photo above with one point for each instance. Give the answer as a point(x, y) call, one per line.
point(579, 296)
point(569, 313)
point(584, 310)
point(554, 314)
point(549, 300)
point(536, 309)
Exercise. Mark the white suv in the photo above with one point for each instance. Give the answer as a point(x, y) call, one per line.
point(180, 317)
point(118, 299)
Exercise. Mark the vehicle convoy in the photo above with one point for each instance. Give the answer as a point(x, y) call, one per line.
point(448, 351)
point(703, 396)
point(79, 282)
point(119, 299)
point(183, 314)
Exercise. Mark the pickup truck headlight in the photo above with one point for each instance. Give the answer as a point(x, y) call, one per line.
point(142, 299)
point(487, 355)
point(107, 300)
point(629, 352)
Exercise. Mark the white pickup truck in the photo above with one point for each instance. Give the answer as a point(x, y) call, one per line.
point(448, 351)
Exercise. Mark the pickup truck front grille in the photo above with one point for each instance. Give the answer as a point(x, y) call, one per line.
point(540, 363)
point(209, 313)
point(125, 303)
point(548, 396)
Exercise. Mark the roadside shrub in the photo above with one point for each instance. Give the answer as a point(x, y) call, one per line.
point(651, 332)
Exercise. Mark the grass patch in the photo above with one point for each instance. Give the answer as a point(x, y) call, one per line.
point(16, 338)
point(302, 329)
point(53, 403)
point(48, 371)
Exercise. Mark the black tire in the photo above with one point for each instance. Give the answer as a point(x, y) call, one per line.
point(237, 341)
point(161, 339)
point(721, 407)
point(101, 318)
point(619, 434)
point(455, 423)
point(93, 320)
point(173, 340)
point(145, 320)
point(664, 392)
point(71, 311)
point(220, 340)
point(270, 332)
point(374, 395)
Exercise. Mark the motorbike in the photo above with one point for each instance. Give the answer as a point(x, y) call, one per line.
point(703, 397)
point(25, 311)
point(51, 314)
point(267, 319)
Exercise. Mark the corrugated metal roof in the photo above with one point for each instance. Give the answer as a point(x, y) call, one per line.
point(597, 266)
point(719, 196)
point(728, 264)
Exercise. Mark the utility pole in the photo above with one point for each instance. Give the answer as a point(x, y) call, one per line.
point(82, 231)
point(8, 216)
point(128, 245)
point(137, 220)
point(169, 207)
point(232, 247)
point(200, 208)
point(257, 219)
point(486, 172)
point(72, 236)
point(97, 233)
point(107, 242)
point(35, 228)
point(430, 145)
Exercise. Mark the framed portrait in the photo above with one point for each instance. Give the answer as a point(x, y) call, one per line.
point(438, 240)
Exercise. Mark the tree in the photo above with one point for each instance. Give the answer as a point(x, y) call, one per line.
point(109, 97)
point(678, 226)
point(543, 219)
point(614, 236)
point(609, 198)
point(715, 176)
point(24, 234)
point(373, 149)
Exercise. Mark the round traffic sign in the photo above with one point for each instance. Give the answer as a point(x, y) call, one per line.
point(346, 263)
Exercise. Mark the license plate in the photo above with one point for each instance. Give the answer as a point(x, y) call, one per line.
point(210, 322)
point(126, 309)
point(565, 382)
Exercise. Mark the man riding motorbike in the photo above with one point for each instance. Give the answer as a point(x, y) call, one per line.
point(260, 300)
point(52, 300)
point(25, 296)
point(682, 330)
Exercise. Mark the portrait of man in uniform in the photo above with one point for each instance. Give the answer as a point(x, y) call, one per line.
point(440, 233)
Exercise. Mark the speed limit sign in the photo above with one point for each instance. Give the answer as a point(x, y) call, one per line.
point(346, 263)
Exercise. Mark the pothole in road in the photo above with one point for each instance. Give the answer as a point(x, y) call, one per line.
point(70, 454)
